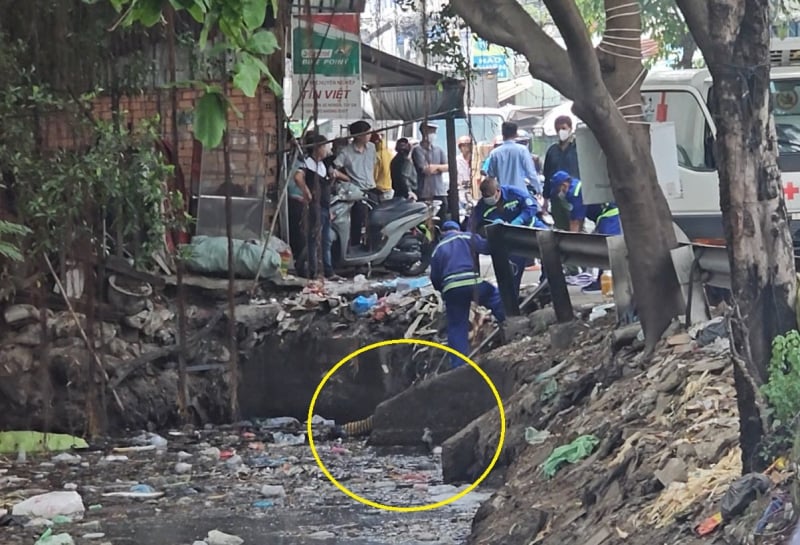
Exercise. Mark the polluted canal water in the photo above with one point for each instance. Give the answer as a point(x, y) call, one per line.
point(253, 483)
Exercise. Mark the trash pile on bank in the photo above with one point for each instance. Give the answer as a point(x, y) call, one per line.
point(198, 483)
point(644, 452)
point(136, 343)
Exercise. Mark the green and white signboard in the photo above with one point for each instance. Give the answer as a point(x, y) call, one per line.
point(326, 65)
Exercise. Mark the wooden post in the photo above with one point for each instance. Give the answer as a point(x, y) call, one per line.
point(554, 269)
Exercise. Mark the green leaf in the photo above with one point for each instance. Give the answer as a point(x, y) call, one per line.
point(210, 19)
point(148, 12)
point(248, 74)
point(263, 42)
point(209, 124)
point(253, 13)
point(197, 12)
point(275, 8)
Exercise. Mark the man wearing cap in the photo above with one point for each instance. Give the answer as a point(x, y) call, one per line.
point(511, 163)
point(566, 190)
point(356, 164)
point(606, 216)
point(431, 162)
point(455, 273)
point(507, 204)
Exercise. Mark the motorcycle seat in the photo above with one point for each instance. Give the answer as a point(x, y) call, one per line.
point(390, 211)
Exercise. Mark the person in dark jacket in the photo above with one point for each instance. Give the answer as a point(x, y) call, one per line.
point(562, 155)
point(455, 273)
point(404, 173)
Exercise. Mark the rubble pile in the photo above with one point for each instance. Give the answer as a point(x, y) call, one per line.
point(254, 482)
point(607, 448)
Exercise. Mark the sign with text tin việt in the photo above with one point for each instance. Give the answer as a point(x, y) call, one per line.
point(326, 65)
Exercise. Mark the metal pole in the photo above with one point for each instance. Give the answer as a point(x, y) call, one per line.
point(453, 199)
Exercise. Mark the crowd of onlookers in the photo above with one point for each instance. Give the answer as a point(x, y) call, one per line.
point(414, 172)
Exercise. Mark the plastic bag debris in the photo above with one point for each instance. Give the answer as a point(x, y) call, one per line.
point(742, 493)
point(50, 505)
point(34, 441)
point(362, 305)
point(579, 449)
point(289, 439)
point(536, 437)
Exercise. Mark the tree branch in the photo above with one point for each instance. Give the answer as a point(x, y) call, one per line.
point(696, 16)
point(581, 53)
point(506, 23)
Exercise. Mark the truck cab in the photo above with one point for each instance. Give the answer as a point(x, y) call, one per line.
point(681, 97)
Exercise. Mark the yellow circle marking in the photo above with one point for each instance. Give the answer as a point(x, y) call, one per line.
point(413, 508)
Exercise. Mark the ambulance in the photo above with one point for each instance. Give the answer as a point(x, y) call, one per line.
point(681, 97)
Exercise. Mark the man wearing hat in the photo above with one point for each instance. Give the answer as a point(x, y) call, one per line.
point(356, 164)
point(431, 162)
point(455, 272)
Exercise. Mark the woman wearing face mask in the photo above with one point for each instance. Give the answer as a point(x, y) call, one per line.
point(562, 156)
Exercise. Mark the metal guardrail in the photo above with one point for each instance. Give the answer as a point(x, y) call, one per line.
point(695, 265)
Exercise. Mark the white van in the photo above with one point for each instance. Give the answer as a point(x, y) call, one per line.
point(681, 97)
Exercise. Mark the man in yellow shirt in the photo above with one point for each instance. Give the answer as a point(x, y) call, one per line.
point(383, 171)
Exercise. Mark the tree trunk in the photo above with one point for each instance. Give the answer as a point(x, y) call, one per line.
point(604, 86)
point(689, 47)
point(736, 49)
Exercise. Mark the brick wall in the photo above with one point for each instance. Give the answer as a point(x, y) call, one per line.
point(258, 121)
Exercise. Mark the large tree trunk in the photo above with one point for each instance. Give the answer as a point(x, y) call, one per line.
point(736, 49)
point(604, 86)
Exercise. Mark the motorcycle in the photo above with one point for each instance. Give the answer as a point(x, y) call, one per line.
point(398, 234)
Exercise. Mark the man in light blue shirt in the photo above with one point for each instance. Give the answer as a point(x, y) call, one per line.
point(511, 163)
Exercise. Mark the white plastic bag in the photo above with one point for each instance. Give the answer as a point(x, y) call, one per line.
point(50, 505)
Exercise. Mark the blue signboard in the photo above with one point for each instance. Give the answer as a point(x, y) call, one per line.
point(496, 62)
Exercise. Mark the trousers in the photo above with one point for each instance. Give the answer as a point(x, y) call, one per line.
point(457, 302)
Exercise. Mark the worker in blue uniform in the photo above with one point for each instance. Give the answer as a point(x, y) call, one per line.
point(455, 272)
point(568, 190)
point(507, 204)
point(605, 216)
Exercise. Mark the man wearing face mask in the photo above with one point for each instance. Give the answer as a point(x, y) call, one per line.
point(562, 156)
point(404, 175)
point(507, 204)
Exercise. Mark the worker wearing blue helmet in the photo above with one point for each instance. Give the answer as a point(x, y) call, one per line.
point(455, 272)
point(605, 216)
point(507, 204)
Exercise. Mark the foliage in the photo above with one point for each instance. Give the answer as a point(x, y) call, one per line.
point(9, 230)
point(440, 39)
point(661, 19)
point(113, 183)
point(238, 25)
point(783, 387)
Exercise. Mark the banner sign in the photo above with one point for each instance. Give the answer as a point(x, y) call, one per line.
point(486, 55)
point(326, 64)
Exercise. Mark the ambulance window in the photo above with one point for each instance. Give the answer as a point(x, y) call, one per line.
point(691, 127)
point(787, 114)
